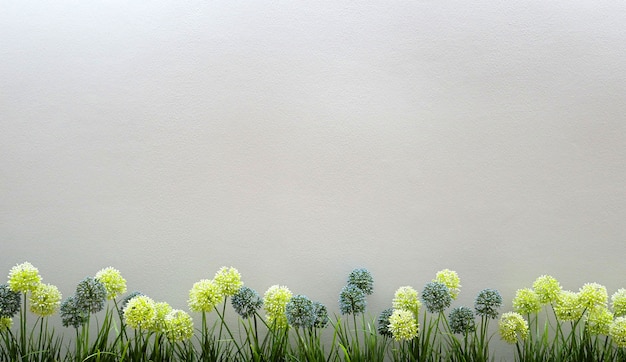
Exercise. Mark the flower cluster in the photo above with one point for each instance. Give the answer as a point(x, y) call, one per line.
point(487, 303)
point(204, 296)
point(321, 315)
point(617, 331)
point(9, 301)
point(24, 278)
point(526, 301)
point(383, 322)
point(513, 327)
point(352, 300)
point(228, 281)
point(462, 320)
point(451, 280)
point(402, 325)
point(157, 324)
point(113, 282)
point(275, 301)
point(618, 302)
point(407, 298)
point(436, 296)
point(140, 312)
point(91, 295)
point(547, 289)
point(300, 312)
point(246, 302)
point(592, 295)
point(71, 314)
point(568, 306)
point(45, 300)
point(362, 279)
point(178, 325)
point(598, 321)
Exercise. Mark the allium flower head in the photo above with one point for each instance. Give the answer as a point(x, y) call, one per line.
point(598, 320)
point(436, 296)
point(9, 301)
point(568, 306)
point(113, 282)
point(617, 331)
point(362, 279)
point(352, 300)
point(451, 280)
point(204, 296)
point(618, 302)
point(402, 325)
point(513, 327)
point(592, 295)
point(526, 301)
point(487, 303)
point(126, 299)
point(157, 324)
point(24, 277)
point(5, 323)
point(228, 280)
point(547, 289)
point(45, 300)
point(407, 298)
point(90, 295)
point(246, 302)
point(321, 315)
point(71, 314)
point(140, 312)
point(300, 311)
point(275, 301)
point(178, 326)
point(462, 320)
point(383, 322)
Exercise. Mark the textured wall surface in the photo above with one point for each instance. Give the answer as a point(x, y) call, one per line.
point(299, 140)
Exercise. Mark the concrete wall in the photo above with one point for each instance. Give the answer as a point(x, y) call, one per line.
point(299, 140)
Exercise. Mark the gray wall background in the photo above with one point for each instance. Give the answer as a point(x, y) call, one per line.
point(296, 141)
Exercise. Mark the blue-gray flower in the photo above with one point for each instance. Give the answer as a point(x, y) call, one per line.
point(436, 297)
point(90, 295)
point(487, 303)
point(362, 279)
point(352, 300)
point(383, 322)
point(300, 311)
point(462, 320)
point(9, 301)
point(246, 302)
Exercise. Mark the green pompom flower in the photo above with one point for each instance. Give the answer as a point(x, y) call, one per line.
point(113, 282)
point(45, 300)
point(24, 278)
point(204, 296)
point(228, 280)
point(451, 280)
point(593, 295)
point(513, 327)
point(5, 323)
point(362, 279)
point(275, 301)
point(178, 326)
point(568, 306)
point(547, 289)
point(526, 301)
point(407, 298)
point(402, 325)
point(618, 302)
point(598, 321)
point(140, 312)
point(157, 324)
point(617, 331)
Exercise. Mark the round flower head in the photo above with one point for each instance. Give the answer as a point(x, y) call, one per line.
point(275, 301)
point(568, 307)
point(246, 302)
point(402, 325)
point(9, 301)
point(436, 297)
point(90, 295)
point(228, 280)
point(547, 289)
point(451, 280)
point(598, 320)
point(362, 279)
point(140, 312)
point(125, 300)
point(71, 315)
point(526, 301)
point(157, 324)
point(487, 303)
point(45, 300)
point(462, 320)
point(618, 302)
point(352, 300)
point(513, 327)
point(178, 326)
point(113, 282)
point(592, 295)
point(407, 298)
point(204, 296)
point(24, 277)
point(383, 322)
point(300, 311)
point(617, 331)
point(321, 315)
point(5, 323)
